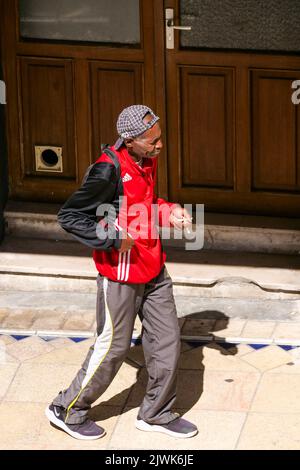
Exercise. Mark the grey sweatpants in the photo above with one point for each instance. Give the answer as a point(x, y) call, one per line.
point(117, 307)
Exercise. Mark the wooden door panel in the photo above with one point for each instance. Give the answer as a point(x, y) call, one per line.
point(207, 124)
point(275, 130)
point(47, 117)
point(260, 137)
point(114, 86)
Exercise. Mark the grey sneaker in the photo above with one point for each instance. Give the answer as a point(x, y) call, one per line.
point(86, 431)
point(178, 428)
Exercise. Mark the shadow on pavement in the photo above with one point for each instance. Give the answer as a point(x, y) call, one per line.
point(191, 358)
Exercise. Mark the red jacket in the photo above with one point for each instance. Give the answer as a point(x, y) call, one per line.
point(145, 259)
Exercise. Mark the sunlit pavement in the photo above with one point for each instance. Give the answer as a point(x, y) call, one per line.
point(241, 395)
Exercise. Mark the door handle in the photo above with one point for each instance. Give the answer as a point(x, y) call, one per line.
point(182, 28)
point(170, 28)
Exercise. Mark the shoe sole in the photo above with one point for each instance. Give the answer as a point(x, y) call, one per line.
point(54, 420)
point(143, 426)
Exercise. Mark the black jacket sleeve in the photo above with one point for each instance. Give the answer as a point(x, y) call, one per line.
point(78, 216)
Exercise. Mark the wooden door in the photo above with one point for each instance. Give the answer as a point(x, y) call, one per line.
point(233, 130)
point(66, 84)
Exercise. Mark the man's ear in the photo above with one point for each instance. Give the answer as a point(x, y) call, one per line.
point(128, 142)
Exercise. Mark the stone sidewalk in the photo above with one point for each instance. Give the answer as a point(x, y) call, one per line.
point(223, 320)
point(239, 373)
point(240, 396)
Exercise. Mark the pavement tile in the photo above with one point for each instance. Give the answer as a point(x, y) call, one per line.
point(58, 343)
point(28, 348)
point(48, 320)
point(80, 322)
point(37, 383)
point(240, 350)
point(278, 393)
point(265, 431)
point(210, 390)
point(20, 425)
point(137, 329)
point(6, 358)
point(213, 356)
point(3, 314)
point(289, 330)
point(258, 329)
point(7, 373)
point(19, 319)
point(211, 425)
point(197, 327)
point(228, 328)
point(267, 358)
point(217, 358)
point(70, 354)
point(32, 430)
point(291, 367)
point(216, 390)
point(7, 339)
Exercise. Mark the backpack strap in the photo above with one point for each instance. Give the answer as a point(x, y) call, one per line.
point(105, 149)
point(115, 160)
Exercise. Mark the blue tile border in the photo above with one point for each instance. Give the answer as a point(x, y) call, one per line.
point(287, 347)
point(77, 340)
point(257, 346)
point(18, 337)
point(136, 341)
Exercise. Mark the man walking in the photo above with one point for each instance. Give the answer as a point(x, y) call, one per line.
point(132, 280)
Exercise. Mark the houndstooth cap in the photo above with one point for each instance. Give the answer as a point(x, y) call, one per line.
point(130, 121)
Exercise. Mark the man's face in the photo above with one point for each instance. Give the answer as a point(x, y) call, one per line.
point(148, 145)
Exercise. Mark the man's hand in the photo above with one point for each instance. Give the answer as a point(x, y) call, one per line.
point(180, 217)
point(127, 242)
